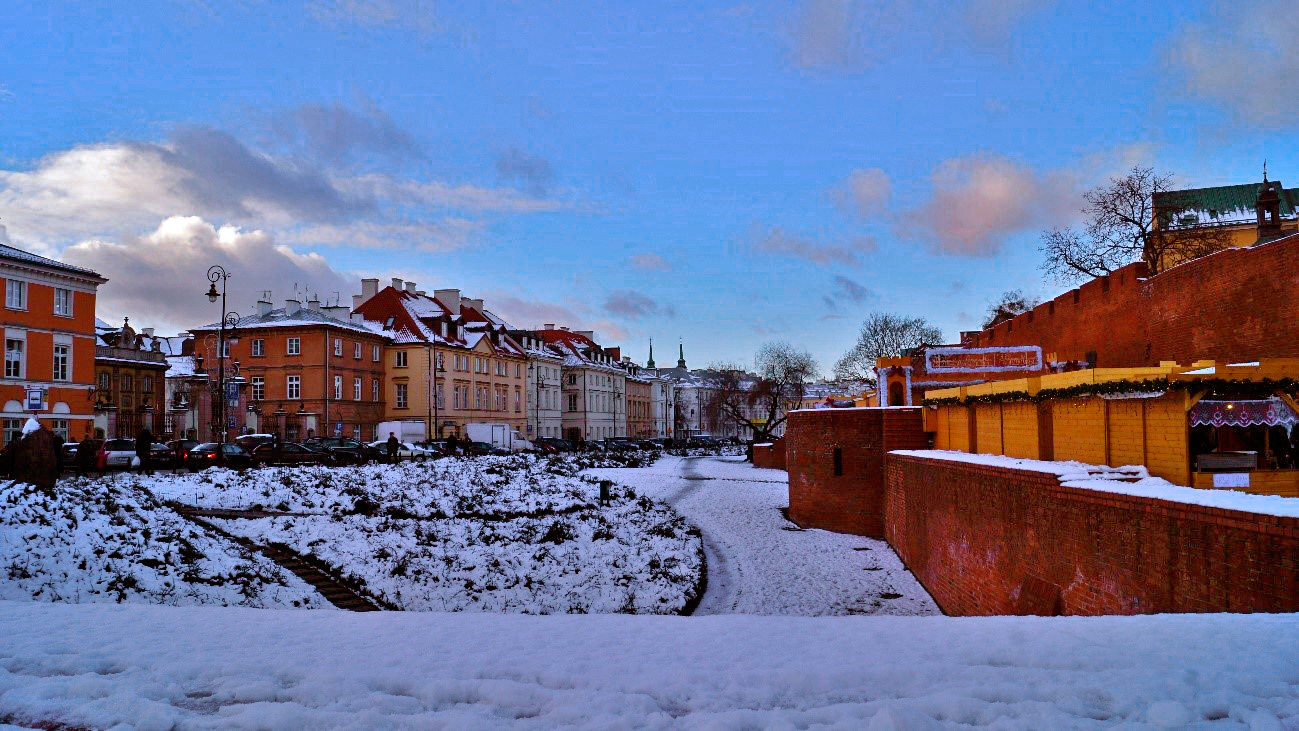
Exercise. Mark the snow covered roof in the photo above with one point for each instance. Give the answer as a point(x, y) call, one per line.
point(1223, 204)
point(304, 317)
point(410, 317)
point(17, 255)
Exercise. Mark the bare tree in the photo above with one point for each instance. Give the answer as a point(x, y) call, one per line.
point(760, 401)
point(1123, 226)
point(1011, 303)
point(883, 335)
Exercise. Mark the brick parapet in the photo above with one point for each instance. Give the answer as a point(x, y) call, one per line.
point(990, 540)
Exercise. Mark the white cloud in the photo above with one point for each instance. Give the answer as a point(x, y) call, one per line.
point(976, 201)
point(158, 279)
point(865, 192)
point(1244, 57)
point(651, 262)
point(447, 195)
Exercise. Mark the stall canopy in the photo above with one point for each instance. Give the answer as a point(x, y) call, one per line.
point(1266, 412)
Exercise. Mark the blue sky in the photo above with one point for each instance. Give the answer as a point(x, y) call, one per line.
point(724, 174)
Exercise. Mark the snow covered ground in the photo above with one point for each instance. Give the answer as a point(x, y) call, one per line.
point(207, 668)
point(106, 541)
point(759, 562)
point(511, 534)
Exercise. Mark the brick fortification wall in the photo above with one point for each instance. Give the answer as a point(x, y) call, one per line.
point(1235, 305)
point(848, 499)
point(989, 540)
point(770, 456)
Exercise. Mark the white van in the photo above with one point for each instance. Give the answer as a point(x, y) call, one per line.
point(500, 435)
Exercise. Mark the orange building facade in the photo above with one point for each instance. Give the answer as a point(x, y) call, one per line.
point(49, 323)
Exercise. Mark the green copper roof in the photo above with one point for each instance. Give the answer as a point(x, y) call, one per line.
point(1223, 204)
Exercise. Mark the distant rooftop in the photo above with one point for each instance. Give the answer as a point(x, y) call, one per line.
point(1223, 204)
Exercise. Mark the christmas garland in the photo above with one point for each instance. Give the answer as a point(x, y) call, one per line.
point(1218, 386)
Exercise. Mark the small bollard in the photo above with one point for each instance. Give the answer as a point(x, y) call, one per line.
point(604, 493)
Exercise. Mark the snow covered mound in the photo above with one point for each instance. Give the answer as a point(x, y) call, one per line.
point(207, 668)
point(504, 534)
point(96, 541)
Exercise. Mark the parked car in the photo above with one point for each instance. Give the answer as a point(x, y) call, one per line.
point(647, 444)
point(435, 447)
point(553, 444)
point(342, 449)
point(405, 450)
point(249, 442)
point(181, 447)
point(162, 457)
point(116, 454)
point(542, 445)
point(289, 454)
point(620, 445)
point(204, 455)
point(479, 449)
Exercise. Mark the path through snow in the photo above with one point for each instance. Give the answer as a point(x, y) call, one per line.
point(759, 562)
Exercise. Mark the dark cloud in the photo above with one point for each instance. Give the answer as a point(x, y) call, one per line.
point(533, 172)
point(338, 134)
point(635, 305)
point(842, 289)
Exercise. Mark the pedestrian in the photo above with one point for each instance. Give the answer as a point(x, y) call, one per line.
point(453, 445)
point(393, 446)
point(277, 449)
point(85, 455)
point(144, 451)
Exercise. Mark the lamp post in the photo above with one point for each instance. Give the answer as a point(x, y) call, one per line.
point(229, 319)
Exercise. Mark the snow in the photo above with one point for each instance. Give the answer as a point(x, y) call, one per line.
point(101, 541)
point(499, 534)
point(31, 425)
point(1113, 479)
point(758, 561)
point(200, 668)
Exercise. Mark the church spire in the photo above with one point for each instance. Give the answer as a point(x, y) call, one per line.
point(650, 363)
point(681, 361)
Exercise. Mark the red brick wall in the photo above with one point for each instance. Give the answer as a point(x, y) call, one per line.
point(770, 456)
point(1229, 307)
point(987, 540)
point(853, 501)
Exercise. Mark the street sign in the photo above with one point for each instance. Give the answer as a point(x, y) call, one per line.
point(35, 399)
point(338, 429)
point(232, 391)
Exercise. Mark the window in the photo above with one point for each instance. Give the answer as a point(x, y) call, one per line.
point(60, 428)
point(338, 348)
point(225, 348)
point(259, 348)
point(518, 404)
point(13, 358)
point(401, 358)
point(146, 384)
point(374, 390)
point(478, 398)
point(63, 302)
point(62, 356)
point(338, 388)
point(401, 395)
point(13, 428)
point(572, 379)
point(295, 346)
point(374, 353)
point(104, 383)
point(356, 350)
point(356, 389)
point(15, 294)
point(295, 386)
point(499, 402)
point(128, 383)
point(259, 388)
point(440, 402)
point(518, 370)
point(572, 402)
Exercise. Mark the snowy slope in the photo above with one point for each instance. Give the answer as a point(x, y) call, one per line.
point(209, 668)
point(98, 541)
point(759, 562)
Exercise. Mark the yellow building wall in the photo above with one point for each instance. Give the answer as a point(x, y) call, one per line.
point(1019, 432)
point(958, 429)
point(1167, 438)
point(1127, 432)
point(987, 428)
point(1078, 430)
point(936, 421)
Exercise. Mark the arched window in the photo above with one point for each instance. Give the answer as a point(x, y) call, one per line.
point(896, 395)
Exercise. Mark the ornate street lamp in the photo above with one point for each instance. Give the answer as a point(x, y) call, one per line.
point(229, 320)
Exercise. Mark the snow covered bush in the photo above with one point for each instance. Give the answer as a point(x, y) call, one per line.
point(106, 541)
point(513, 534)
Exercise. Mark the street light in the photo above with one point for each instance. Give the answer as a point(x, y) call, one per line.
point(229, 319)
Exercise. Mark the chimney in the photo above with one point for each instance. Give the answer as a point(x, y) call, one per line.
point(291, 307)
point(356, 317)
point(477, 304)
point(357, 300)
point(313, 304)
point(410, 287)
point(148, 331)
point(626, 360)
point(548, 326)
point(369, 288)
point(615, 353)
point(450, 298)
point(588, 334)
point(338, 312)
point(396, 283)
point(263, 308)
